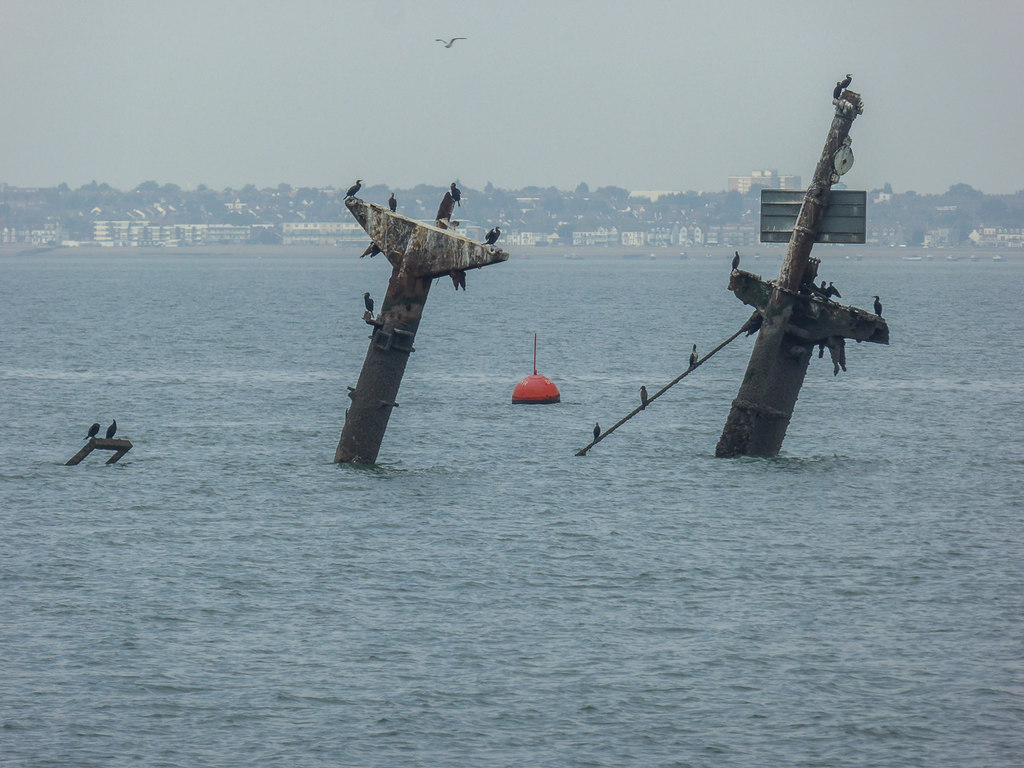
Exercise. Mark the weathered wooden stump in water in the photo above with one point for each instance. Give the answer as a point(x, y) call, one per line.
point(418, 253)
point(793, 322)
point(101, 444)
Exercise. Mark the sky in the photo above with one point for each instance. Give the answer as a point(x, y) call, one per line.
point(646, 95)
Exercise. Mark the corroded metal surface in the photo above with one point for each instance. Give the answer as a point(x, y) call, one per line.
point(417, 253)
point(812, 317)
point(438, 251)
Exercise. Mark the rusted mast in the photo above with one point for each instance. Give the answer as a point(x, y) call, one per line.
point(418, 253)
point(764, 405)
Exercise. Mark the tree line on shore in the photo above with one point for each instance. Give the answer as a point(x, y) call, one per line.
point(958, 211)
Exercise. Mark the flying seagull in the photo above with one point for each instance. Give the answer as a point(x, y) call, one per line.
point(878, 307)
point(93, 431)
point(492, 236)
point(368, 302)
point(456, 194)
point(112, 429)
point(693, 356)
point(643, 397)
point(354, 188)
point(392, 203)
point(449, 43)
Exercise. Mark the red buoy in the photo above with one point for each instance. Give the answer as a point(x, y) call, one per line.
point(535, 388)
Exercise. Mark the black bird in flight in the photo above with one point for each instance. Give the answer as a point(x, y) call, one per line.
point(368, 302)
point(492, 236)
point(597, 430)
point(456, 194)
point(878, 307)
point(841, 86)
point(736, 261)
point(392, 203)
point(693, 356)
point(643, 396)
point(93, 431)
point(449, 43)
point(112, 429)
point(354, 188)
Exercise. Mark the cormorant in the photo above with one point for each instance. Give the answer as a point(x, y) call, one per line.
point(392, 203)
point(693, 356)
point(93, 431)
point(368, 302)
point(643, 396)
point(456, 194)
point(371, 250)
point(597, 430)
point(111, 429)
point(449, 43)
point(354, 188)
point(459, 278)
point(736, 261)
point(841, 86)
point(878, 307)
point(833, 291)
point(492, 236)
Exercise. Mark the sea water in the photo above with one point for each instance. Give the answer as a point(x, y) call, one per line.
point(226, 596)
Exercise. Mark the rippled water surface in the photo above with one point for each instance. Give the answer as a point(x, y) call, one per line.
point(225, 595)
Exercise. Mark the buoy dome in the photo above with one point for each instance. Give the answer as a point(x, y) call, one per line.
point(536, 389)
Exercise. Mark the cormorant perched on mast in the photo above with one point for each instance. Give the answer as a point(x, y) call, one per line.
point(878, 307)
point(832, 291)
point(456, 194)
point(841, 86)
point(643, 396)
point(736, 261)
point(368, 302)
point(392, 203)
point(111, 429)
point(492, 236)
point(693, 356)
point(354, 188)
point(93, 431)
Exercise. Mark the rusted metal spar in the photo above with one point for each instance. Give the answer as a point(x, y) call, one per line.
point(418, 253)
point(762, 410)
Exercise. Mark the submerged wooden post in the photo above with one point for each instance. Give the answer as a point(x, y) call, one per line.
point(793, 323)
point(418, 253)
point(121, 447)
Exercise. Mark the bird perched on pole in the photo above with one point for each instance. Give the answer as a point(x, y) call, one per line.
point(693, 356)
point(643, 397)
point(878, 307)
point(112, 429)
point(368, 302)
point(93, 431)
point(597, 430)
point(841, 86)
point(392, 203)
point(456, 194)
point(736, 261)
point(354, 188)
point(492, 236)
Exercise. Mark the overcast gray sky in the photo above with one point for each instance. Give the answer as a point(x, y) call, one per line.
point(640, 94)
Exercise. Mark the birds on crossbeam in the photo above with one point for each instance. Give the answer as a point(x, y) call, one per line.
point(354, 188)
point(93, 431)
point(492, 236)
point(597, 430)
point(112, 429)
point(392, 203)
point(456, 194)
point(693, 356)
point(643, 397)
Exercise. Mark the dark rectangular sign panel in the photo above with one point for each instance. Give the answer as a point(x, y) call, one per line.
point(845, 219)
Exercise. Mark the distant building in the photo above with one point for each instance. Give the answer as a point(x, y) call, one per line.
point(766, 179)
point(322, 233)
